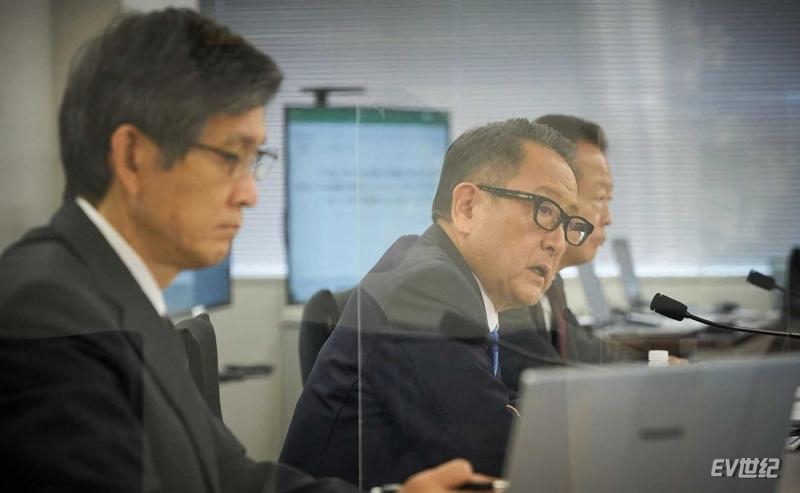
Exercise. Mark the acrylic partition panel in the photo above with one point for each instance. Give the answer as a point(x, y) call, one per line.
point(699, 101)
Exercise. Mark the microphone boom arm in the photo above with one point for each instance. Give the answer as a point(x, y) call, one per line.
point(743, 329)
point(668, 307)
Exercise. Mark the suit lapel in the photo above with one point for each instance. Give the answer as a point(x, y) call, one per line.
point(164, 357)
point(435, 235)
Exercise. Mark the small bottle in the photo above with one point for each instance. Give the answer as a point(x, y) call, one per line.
point(657, 358)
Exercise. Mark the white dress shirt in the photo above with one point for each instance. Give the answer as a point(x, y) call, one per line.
point(547, 311)
point(128, 255)
point(491, 312)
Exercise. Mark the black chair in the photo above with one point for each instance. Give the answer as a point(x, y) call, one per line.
point(320, 316)
point(198, 337)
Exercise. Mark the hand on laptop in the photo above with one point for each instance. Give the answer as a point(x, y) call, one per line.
point(447, 477)
point(674, 360)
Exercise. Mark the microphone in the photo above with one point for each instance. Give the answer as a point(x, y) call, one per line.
point(766, 282)
point(762, 281)
point(664, 305)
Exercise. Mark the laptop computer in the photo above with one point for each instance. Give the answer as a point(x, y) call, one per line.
point(627, 274)
point(633, 428)
point(604, 320)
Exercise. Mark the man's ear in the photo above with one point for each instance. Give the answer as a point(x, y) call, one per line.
point(462, 209)
point(131, 156)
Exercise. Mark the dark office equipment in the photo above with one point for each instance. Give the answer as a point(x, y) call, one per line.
point(767, 283)
point(321, 93)
point(791, 303)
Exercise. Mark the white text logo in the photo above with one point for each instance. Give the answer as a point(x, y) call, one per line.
point(746, 468)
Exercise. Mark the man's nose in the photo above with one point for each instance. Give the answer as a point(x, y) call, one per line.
point(606, 218)
point(245, 194)
point(555, 241)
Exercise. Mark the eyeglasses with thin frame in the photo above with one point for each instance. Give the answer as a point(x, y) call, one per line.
point(258, 164)
point(548, 214)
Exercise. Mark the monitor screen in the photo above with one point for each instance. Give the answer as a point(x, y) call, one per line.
point(206, 288)
point(356, 180)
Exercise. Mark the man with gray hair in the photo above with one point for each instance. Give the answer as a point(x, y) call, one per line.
point(161, 127)
point(410, 375)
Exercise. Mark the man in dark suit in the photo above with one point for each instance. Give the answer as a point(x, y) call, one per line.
point(160, 128)
point(527, 329)
point(409, 377)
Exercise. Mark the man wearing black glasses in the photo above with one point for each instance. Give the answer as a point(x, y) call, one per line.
point(410, 376)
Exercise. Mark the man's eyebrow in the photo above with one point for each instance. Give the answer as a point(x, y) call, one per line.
point(553, 195)
point(243, 139)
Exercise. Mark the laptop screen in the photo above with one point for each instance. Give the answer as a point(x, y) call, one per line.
point(630, 283)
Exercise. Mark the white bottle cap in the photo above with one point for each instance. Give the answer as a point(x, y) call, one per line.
point(658, 355)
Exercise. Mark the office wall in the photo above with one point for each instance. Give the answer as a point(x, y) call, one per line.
point(27, 127)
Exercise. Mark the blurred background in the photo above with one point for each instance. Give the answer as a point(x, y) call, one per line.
point(700, 101)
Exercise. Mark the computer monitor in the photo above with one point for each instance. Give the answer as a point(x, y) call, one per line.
point(356, 180)
point(209, 287)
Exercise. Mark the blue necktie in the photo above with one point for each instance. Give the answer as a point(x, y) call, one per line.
point(494, 351)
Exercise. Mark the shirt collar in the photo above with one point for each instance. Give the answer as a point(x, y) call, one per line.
point(491, 313)
point(547, 311)
point(128, 255)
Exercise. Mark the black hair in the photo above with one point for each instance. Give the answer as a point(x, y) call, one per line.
point(166, 72)
point(577, 129)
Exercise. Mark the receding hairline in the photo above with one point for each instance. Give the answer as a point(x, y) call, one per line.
point(484, 175)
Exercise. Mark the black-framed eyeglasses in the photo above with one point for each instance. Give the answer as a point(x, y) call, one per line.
point(258, 164)
point(548, 214)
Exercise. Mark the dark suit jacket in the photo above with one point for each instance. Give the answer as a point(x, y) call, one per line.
point(404, 382)
point(96, 395)
point(525, 343)
point(524, 328)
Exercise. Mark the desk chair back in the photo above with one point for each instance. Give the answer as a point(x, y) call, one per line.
point(320, 316)
point(200, 341)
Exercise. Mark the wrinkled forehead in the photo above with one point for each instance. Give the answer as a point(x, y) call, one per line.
point(566, 198)
point(545, 172)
